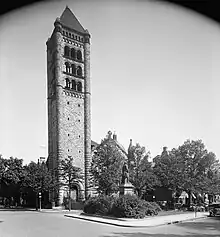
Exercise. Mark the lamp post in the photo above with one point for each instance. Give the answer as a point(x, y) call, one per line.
point(39, 201)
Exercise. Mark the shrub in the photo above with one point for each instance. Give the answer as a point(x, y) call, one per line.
point(149, 209)
point(100, 205)
point(156, 207)
point(128, 206)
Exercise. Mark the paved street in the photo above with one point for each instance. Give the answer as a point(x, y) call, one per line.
point(32, 224)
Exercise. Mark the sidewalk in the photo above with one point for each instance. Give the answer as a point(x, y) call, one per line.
point(146, 222)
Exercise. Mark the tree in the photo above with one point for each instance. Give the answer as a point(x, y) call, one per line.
point(166, 170)
point(2, 167)
point(38, 178)
point(106, 167)
point(140, 170)
point(195, 166)
point(69, 174)
point(11, 176)
point(190, 167)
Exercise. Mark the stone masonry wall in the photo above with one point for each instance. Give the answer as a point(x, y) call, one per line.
point(69, 129)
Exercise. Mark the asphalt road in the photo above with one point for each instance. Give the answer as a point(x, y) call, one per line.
point(35, 224)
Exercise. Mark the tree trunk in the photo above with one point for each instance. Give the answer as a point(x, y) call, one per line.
point(36, 201)
point(190, 198)
point(69, 203)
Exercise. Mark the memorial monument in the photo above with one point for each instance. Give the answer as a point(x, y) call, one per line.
point(125, 187)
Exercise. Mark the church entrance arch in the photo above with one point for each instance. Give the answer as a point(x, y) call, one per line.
point(74, 193)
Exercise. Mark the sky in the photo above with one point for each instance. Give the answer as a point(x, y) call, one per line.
point(154, 75)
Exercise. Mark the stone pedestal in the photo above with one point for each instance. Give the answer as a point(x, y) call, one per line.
point(126, 188)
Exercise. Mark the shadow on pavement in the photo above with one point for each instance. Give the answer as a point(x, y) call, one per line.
point(205, 228)
point(139, 234)
point(211, 223)
point(102, 217)
point(16, 209)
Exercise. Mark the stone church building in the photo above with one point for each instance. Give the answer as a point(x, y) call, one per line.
point(68, 83)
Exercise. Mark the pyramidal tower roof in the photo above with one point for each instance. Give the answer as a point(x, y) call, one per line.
point(69, 20)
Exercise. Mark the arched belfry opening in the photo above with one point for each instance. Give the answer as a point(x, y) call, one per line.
point(66, 51)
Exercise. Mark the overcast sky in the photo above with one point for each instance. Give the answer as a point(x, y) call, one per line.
point(154, 74)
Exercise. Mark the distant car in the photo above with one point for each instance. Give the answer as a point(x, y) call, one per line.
point(214, 209)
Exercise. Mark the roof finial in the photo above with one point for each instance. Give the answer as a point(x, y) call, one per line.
point(130, 145)
point(109, 134)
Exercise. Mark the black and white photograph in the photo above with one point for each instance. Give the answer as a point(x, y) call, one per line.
point(110, 118)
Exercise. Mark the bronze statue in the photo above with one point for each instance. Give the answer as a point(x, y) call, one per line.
point(125, 174)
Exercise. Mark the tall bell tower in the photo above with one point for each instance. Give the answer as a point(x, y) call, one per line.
point(68, 83)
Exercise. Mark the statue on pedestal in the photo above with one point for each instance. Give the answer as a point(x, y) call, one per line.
point(125, 187)
point(125, 174)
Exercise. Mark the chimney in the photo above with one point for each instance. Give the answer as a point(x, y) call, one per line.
point(114, 137)
point(164, 152)
point(165, 148)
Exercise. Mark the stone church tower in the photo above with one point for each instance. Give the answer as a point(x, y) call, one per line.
point(68, 83)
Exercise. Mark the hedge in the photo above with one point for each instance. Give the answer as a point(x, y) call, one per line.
point(101, 205)
point(129, 206)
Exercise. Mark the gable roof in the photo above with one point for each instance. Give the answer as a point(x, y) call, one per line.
point(69, 20)
point(113, 141)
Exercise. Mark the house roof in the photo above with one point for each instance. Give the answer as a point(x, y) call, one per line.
point(69, 20)
point(110, 140)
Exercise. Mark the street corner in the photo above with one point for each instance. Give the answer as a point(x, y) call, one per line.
point(138, 223)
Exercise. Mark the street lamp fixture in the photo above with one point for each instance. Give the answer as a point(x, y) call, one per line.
point(39, 201)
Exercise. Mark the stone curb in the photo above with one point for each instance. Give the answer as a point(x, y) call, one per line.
point(132, 225)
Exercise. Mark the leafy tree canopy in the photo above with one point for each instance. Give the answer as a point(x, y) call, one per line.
point(140, 170)
point(106, 167)
point(38, 177)
point(68, 172)
point(188, 167)
point(11, 170)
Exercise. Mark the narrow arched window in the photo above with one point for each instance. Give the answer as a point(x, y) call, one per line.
point(73, 53)
point(74, 85)
point(79, 86)
point(79, 71)
point(66, 51)
point(67, 65)
point(73, 69)
point(67, 83)
point(79, 55)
